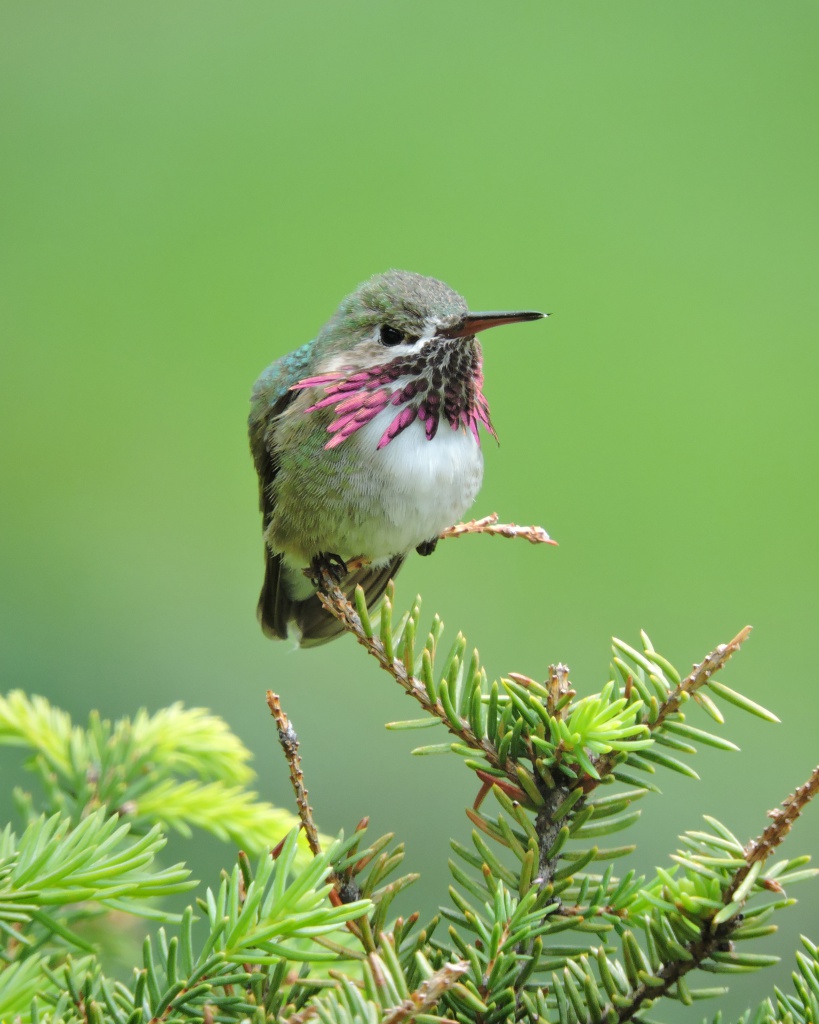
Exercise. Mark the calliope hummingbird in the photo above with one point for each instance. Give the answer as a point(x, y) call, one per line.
point(366, 443)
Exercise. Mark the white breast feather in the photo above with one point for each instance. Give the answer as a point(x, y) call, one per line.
point(424, 485)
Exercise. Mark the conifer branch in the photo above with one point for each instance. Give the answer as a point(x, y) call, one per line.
point(347, 875)
point(715, 933)
point(290, 745)
point(700, 675)
point(516, 915)
point(181, 768)
point(556, 791)
point(428, 994)
point(490, 525)
point(782, 822)
point(336, 602)
point(670, 975)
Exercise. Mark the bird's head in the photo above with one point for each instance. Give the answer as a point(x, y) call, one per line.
point(406, 340)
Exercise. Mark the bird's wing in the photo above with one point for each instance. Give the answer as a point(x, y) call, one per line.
point(271, 396)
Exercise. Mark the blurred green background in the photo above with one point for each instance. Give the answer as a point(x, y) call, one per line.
point(188, 189)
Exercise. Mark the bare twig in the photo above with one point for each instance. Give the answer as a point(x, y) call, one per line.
point(782, 821)
point(697, 678)
point(700, 675)
point(489, 524)
point(427, 995)
point(422, 1000)
point(559, 688)
point(310, 1012)
point(290, 745)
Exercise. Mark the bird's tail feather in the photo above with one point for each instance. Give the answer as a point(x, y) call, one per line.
point(318, 626)
point(275, 609)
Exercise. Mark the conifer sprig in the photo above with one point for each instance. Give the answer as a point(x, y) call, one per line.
point(53, 865)
point(489, 525)
point(535, 745)
point(538, 926)
point(258, 925)
point(180, 768)
point(542, 752)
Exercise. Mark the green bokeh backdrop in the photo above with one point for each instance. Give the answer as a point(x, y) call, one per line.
point(187, 191)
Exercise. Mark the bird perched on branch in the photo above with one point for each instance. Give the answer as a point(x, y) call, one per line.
point(366, 443)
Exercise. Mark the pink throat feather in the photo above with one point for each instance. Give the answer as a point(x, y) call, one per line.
point(446, 386)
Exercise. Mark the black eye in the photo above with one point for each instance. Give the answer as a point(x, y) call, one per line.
point(391, 335)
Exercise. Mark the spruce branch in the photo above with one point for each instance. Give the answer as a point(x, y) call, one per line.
point(231, 813)
point(700, 675)
point(179, 739)
point(357, 874)
point(383, 995)
point(177, 736)
point(53, 864)
point(758, 850)
point(257, 924)
point(716, 928)
point(523, 909)
point(428, 994)
point(490, 525)
point(570, 746)
point(672, 699)
point(543, 753)
point(180, 768)
point(381, 648)
point(289, 742)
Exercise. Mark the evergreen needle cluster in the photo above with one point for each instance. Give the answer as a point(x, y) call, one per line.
point(540, 924)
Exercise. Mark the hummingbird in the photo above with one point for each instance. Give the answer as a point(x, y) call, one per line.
point(366, 444)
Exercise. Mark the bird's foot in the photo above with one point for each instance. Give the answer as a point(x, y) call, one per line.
point(359, 562)
point(427, 547)
point(326, 567)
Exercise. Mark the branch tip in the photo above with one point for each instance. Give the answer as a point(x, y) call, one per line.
point(782, 821)
point(290, 745)
point(428, 993)
point(490, 525)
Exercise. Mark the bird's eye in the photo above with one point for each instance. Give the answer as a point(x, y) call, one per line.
point(391, 335)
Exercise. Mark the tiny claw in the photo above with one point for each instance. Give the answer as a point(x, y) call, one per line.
point(326, 566)
point(427, 547)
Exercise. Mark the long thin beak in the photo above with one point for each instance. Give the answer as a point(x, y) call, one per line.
point(476, 322)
